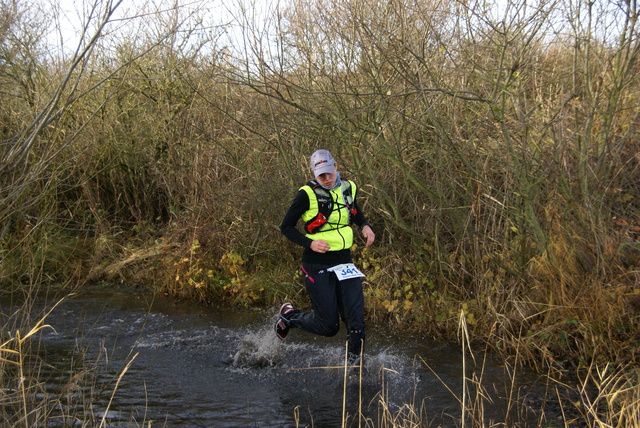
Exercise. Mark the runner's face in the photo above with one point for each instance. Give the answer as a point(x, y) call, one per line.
point(328, 179)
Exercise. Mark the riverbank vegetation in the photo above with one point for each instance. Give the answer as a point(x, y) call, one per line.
point(496, 149)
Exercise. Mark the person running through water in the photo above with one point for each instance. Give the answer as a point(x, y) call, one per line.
point(328, 206)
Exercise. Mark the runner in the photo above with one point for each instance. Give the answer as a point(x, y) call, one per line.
point(328, 206)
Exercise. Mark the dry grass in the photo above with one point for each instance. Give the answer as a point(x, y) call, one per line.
point(601, 396)
point(27, 396)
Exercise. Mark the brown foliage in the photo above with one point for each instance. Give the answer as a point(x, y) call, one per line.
point(491, 155)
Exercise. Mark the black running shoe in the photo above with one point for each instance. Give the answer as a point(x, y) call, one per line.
point(353, 359)
point(355, 366)
point(282, 325)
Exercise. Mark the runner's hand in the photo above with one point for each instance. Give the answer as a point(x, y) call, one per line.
point(320, 246)
point(368, 234)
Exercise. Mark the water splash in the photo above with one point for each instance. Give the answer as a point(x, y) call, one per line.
point(258, 349)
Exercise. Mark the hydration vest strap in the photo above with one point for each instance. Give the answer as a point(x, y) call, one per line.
point(326, 205)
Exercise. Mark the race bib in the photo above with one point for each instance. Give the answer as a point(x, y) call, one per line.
point(346, 271)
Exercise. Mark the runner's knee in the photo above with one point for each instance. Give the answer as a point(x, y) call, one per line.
point(329, 330)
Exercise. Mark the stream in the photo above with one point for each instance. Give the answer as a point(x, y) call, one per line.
point(190, 365)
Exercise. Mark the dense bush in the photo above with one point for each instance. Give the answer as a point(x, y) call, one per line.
point(496, 152)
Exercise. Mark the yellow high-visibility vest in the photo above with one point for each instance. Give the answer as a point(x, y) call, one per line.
point(335, 231)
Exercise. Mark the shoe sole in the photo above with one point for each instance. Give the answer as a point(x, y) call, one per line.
point(282, 332)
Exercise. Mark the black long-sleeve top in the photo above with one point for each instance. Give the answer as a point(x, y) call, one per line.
point(288, 227)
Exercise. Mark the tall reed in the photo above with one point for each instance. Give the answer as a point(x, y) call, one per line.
point(35, 391)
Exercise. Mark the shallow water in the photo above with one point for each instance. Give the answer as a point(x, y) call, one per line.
point(221, 367)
